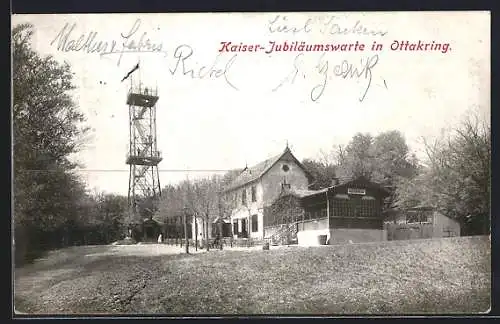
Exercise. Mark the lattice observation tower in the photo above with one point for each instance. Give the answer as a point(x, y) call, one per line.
point(143, 155)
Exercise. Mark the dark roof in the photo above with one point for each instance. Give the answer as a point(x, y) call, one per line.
point(361, 181)
point(250, 174)
point(343, 180)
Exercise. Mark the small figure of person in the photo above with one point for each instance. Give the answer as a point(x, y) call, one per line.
point(219, 241)
point(159, 239)
point(216, 241)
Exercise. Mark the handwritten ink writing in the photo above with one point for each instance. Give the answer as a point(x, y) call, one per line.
point(131, 42)
point(133, 45)
point(328, 25)
point(85, 42)
point(183, 65)
point(144, 44)
point(332, 27)
point(343, 70)
point(290, 78)
point(280, 25)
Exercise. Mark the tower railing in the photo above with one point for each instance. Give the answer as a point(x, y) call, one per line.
point(143, 90)
point(154, 154)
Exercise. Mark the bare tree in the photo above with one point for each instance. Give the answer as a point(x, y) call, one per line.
point(205, 202)
point(456, 179)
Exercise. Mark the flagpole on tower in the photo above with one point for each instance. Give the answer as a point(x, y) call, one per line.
point(139, 72)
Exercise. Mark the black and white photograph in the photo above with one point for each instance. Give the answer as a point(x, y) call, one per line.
point(251, 164)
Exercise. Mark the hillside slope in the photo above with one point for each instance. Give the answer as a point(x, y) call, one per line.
point(450, 275)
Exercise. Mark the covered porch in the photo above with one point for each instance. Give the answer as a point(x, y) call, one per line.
point(350, 212)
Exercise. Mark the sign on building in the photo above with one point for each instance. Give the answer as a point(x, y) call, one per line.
point(356, 191)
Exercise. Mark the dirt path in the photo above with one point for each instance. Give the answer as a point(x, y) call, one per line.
point(99, 278)
point(51, 283)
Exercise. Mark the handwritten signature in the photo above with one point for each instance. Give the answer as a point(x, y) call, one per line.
point(183, 64)
point(343, 70)
point(132, 41)
point(181, 61)
point(328, 25)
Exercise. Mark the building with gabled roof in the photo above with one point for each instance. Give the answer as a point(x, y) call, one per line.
point(259, 186)
point(272, 200)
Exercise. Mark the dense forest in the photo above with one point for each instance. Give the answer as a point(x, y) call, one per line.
point(53, 208)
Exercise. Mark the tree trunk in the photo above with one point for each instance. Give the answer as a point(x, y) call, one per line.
point(185, 235)
point(206, 231)
point(195, 232)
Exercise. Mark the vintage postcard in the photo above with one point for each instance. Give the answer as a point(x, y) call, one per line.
point(239, 164)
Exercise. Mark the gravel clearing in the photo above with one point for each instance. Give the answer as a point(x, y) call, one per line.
point(449, 276)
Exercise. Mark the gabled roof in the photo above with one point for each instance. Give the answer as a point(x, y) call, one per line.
point(250, 174)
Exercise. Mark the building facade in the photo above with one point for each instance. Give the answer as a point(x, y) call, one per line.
point(347, 212)
point(420, 222)
point(259, 186)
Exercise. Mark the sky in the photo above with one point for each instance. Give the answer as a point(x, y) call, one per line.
point(243, 107)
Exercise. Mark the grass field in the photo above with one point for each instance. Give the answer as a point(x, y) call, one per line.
point(447, 276)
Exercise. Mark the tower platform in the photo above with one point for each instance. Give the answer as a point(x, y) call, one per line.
point(153, 160)
point(142, 97)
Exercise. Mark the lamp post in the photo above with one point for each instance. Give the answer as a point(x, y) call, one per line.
point(186, 209)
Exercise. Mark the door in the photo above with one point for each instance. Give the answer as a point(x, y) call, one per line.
point(244, 228)
point(235, 227)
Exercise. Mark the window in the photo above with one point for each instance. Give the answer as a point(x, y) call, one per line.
point(368, 207)
point(418, 217)
point(285, 186)
point(255, 223)
point(285, 168)
point(254, 194)
point(244, 197)
point(235, 227)
point(342, 207)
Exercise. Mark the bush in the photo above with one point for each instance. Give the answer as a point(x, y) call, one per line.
point(126, 241)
